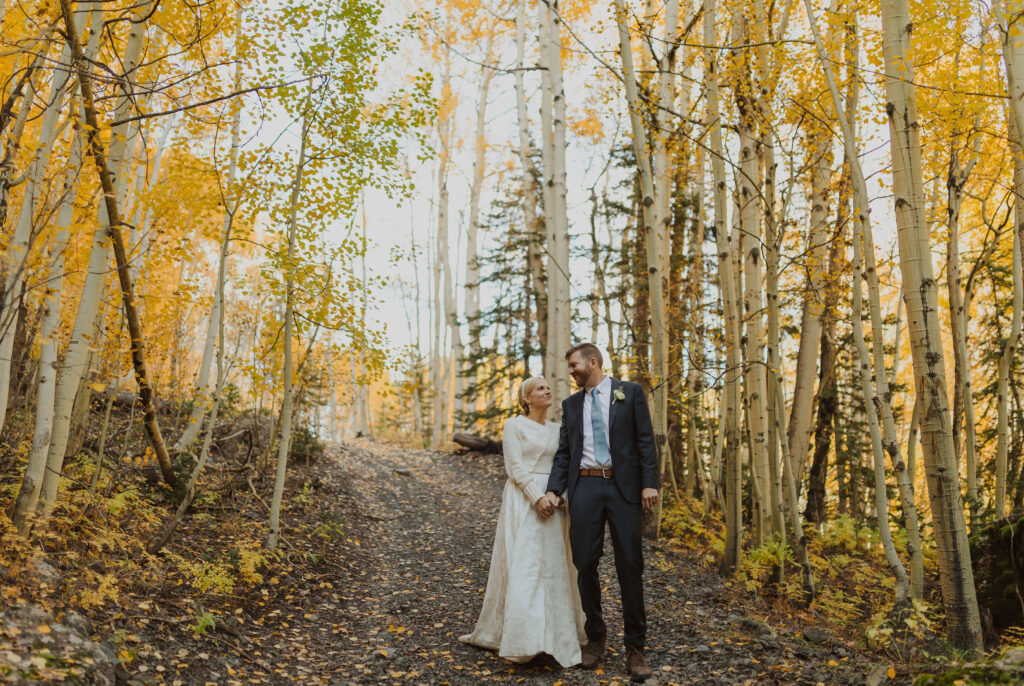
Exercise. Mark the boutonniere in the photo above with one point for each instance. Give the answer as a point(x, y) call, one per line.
point(618, 394)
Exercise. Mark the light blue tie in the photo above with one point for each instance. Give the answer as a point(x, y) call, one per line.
point(602, 455)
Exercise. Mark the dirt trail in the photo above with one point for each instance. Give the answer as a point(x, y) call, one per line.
point(406, 578)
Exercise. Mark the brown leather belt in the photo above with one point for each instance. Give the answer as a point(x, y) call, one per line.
point(603, 473)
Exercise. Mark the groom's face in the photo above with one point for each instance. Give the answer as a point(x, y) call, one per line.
point(580, 368)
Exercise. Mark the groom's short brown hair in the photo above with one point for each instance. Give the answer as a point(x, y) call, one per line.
point(589, 350)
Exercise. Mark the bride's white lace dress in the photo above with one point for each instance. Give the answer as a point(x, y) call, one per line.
point(532, 604)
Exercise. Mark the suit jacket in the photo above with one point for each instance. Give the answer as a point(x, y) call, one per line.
point(630, 439)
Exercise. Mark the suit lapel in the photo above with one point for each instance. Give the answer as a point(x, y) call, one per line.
point(613, 408)
point(577, 399)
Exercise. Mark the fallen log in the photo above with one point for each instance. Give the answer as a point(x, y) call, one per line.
point(478, 443)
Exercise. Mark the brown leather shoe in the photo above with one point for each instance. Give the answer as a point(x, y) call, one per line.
point(636, 665)
point(592, 652)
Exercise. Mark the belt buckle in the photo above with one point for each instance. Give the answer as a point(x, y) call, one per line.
point(603, 475)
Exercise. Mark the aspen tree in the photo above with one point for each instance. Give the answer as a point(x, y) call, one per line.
point(921, 298)
point(284, 444)
point(729, 422)
point(442, 281)
point(748, 190)
point(85, 333)
point(1010, 20)
point(1010, 344)
point(659, 358)
point(555, 209)
point(529, 173)
point(813, 305)
point(35, 470)
point(471, 305)
point(17, 257)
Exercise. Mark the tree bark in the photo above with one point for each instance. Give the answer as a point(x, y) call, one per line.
point(1010, 21)
point(659, 357)
point(471, 305)
point(921, 298)
point(284, 445)
point(555, 209)
point(728, 440)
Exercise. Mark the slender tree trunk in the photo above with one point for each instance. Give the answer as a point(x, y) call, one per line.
point(17, 257)
point(749, 199)
point(729, 439)
point(35, 485)
point(794, 515)
point(85, 333)
point(471, 304)
point(775, 412)
point(659, 357)
point(813, 306)
point(1009, 350)
point(921, 298)
point(284, 445)
point(864, 366)
point(1010, 21)
point(694, 381)
point(878, 405)
point(441, 278)
point(555, 208)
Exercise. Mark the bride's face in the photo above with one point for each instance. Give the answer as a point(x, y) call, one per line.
point(540, 396)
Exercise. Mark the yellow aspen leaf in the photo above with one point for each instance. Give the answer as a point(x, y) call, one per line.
point(43, 629)
point(891, 673)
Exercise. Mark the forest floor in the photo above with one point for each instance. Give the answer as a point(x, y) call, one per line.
point(392, 569)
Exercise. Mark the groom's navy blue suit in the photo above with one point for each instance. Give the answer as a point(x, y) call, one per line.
point(594, 500)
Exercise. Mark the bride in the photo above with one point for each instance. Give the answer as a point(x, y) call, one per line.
point(532, 604)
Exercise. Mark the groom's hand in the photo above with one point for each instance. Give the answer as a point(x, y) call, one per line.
point(649, 497)
point(544, 506)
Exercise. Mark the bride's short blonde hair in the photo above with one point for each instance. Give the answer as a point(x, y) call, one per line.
point(525, 389)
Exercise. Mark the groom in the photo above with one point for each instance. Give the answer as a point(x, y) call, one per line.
point(607, 459)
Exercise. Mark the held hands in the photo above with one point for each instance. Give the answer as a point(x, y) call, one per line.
point(548, 503)
point(649, 497)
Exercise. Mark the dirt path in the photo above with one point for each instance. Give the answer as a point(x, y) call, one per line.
point(392, 594)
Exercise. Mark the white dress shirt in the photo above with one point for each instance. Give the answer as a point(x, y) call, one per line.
point(604, 395)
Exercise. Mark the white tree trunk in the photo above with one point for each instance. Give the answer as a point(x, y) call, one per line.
point(556, 210)
point(955, 181)
point(84, 332)
point(1009, 350)
point(529, 171)
point(284, 445)
point(800, 425)
point(471, 304)
point(749, 198)
point(921, 298)
point(34, 483)
point(729, 439)
point(1010, 21)
point(16, 259)
point(442, 275)
point(659, 356)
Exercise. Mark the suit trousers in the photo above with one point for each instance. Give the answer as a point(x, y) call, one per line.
point(597, 500)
